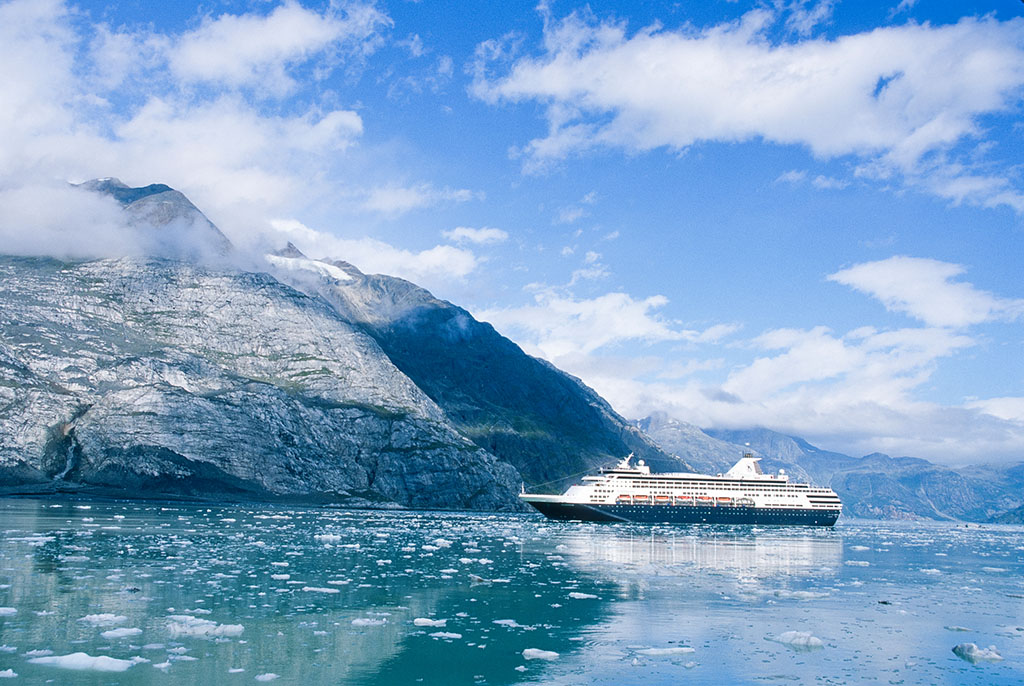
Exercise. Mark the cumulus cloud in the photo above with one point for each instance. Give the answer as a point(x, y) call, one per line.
point(429, 268)
point(255, 51)
point(855, 392)
point(187, 116)
point(925, 289)
point(900, 99)
point(482, 236)
point(558, 324)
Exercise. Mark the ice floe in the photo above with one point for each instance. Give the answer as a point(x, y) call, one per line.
point(973, 654)
point(662, 652)
point(369, 621)
point(105, 619)
point(538, 654)
point(802, 640)
point(187, 625)
point(268, 676)
point(423, 621)
point(445, 634)
point(114, 634)
point(8, 674)
point(84, 662)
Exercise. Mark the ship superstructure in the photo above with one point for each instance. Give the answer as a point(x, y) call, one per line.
point(743, 495)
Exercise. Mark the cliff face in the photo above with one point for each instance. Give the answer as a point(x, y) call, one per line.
point(155, 377)
point(546, 423)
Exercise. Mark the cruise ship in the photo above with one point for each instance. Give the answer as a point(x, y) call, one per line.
point(743, 495)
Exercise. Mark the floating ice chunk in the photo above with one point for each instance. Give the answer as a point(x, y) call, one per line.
point(339, 582)
point(84, 662)
point(801, 640)
point(445, 634)
point(114, 634)
point(105, 619)
point(973, 654)
point(187, 625)
point(327, 538)
point(38, 653)
point(857, 563)
point(423, 621)
point(162, 666)
point(510, 623)
point(8, 611)
point(859, 548)
point(800, 595)
point(235, 670)
point(8, 674)
point(8, 649)
point(661, 652)
point(521, 668)
point(956, 628)
point(269, 676)
point(538, 654)
point(993, 569)
point(442, 543)
point(368, 621)
point(319, 589)
point(930, 570)
point(581, 596)
point(280, 577)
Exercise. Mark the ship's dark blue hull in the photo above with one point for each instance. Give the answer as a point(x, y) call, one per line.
point(685, 514)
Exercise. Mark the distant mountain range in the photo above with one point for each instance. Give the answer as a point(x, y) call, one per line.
point(874, 486)
point(191, 372)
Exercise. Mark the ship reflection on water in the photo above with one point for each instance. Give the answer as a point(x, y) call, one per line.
point(737, 552)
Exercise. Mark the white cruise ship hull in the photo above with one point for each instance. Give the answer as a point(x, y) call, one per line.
point(553, 507)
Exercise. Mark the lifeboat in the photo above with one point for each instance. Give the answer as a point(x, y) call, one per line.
point(662, 500)
point(641, 498)
point(723, 500)
point(705, 500)
point(744, 502)
point(624, 500)
point(684, 500)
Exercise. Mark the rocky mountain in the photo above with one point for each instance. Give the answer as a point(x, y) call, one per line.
point(874, 486)
point(544, 422)
point(179, 375)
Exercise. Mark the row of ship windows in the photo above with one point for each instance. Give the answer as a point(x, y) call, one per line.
point(664, 491)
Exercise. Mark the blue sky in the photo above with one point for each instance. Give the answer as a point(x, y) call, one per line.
point(799, 215)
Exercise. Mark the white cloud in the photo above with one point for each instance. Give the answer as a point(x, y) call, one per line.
point(255, 51)
point(925, 290)
point(1009, 408)
point(557, 325)
point(237, 156)
point(393, 201)
point(431, 267)
point(899, 98)
point(482, 236)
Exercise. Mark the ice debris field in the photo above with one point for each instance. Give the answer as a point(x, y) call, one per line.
point(133, 593)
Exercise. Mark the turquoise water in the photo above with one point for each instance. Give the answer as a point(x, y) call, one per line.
point(249, 594)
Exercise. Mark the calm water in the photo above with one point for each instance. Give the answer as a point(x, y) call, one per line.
point(241, 595)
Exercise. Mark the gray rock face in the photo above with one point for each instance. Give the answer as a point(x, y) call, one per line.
point(546, 423)
point(161, 377)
